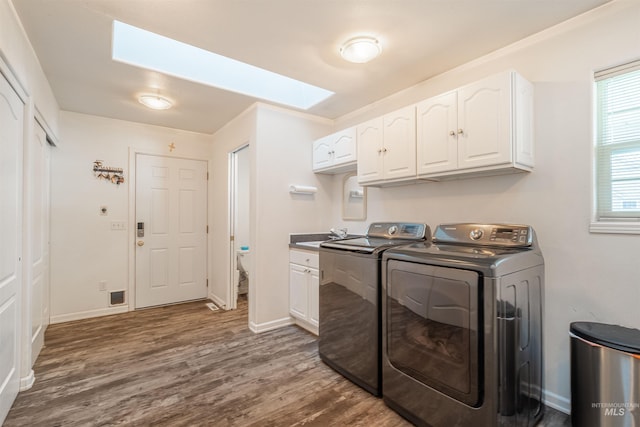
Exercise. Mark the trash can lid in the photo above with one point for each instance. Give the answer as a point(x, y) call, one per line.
point(613, 336)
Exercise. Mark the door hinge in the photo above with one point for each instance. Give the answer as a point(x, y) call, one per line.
point(207, 229)
point(207, 283)
point(207, 176)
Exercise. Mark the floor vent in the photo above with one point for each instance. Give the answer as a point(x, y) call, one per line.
point(212, 306)
point(116, 298)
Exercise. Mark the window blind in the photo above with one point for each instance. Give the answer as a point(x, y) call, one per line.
point(618, 143)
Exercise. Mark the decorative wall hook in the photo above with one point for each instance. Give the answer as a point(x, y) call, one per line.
point(115, 175)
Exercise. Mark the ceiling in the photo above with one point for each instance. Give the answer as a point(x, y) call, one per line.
point(297, 38)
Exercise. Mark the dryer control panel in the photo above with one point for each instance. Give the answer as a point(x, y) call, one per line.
point(484, 234)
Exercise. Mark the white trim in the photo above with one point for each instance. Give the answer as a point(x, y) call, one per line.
point(557, 402)
point(7, 72)
point(27, 382)
point(217, 301)
point(51, 136)
point(269, 326)
point(89, 314)
point(614, 227)
point(307, 326)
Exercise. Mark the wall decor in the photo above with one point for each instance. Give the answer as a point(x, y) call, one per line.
point(115, 175)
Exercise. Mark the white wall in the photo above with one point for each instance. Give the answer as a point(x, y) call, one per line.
point(16, 50)
point(283, 157)
point(235, 134)
point(592, 277)
point(280, 155)
point(84, 249)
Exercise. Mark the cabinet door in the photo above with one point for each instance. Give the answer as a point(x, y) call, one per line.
point(399, 150)
point(370, 151)
point(298, 291)
point(485, 122)
point(322, 157)
point(344, 146)
point(314, 291)
point(437, 125)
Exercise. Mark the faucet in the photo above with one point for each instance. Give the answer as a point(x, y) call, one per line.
point(341, 233)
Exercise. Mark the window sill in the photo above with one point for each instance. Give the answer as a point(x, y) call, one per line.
point(615, 227)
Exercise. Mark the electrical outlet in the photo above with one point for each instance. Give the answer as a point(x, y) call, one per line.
point(118, 225)
point(102, 285)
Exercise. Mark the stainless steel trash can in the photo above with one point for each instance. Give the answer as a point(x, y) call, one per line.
point(605, 375)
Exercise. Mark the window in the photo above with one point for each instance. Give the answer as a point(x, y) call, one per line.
point(135, 46)
point(618, 149)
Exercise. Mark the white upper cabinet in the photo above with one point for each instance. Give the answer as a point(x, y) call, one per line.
point(482, 128)
point(387, 148)
point(335, 153)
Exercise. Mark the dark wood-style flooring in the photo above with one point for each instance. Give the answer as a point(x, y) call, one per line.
point(184, 365)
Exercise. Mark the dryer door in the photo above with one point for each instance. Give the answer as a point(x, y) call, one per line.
point(433, 327)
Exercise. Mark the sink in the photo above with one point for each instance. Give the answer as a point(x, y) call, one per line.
point(312, 244)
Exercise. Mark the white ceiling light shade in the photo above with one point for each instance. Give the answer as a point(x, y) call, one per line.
point(361, 49)
point(155, 102)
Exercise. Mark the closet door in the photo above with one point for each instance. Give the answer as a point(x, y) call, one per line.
point(38, 154)
point(11, 133)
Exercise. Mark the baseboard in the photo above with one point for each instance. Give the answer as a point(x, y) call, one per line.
point(218, 301)
point(27, 382)
point(269, 326)
point(306, 325)
point(557, 402)
point(89, 314)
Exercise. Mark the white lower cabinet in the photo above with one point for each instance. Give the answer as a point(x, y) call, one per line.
point(304, 287)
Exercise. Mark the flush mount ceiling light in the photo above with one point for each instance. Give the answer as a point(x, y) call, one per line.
point(361, 49)
point(155, 102)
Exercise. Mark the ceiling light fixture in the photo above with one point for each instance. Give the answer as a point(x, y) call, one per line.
point(155, 102)
point(361, 49)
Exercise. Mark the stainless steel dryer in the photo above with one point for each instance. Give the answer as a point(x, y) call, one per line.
point(462, 327)
point(350, 314)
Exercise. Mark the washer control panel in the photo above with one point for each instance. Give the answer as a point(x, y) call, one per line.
point(485, 234)
point(398, 230)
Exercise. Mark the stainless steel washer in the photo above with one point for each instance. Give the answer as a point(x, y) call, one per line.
point(462, 333)
point(350, 316)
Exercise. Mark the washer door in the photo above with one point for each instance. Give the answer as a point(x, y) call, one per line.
point(432, 327)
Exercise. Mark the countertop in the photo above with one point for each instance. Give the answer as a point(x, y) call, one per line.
point(310, 241)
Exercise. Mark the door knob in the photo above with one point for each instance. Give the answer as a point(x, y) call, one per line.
point(140, 243)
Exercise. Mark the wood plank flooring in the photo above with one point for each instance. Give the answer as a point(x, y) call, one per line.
point(185, 365)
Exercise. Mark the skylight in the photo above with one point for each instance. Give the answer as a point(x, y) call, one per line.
point(145, 49)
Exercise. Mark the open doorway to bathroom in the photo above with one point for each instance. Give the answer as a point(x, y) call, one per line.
point(241, 257)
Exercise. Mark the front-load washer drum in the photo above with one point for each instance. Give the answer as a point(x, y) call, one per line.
point(432, 320)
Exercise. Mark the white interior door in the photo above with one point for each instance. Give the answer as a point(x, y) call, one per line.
point(38, 193)
point(11, 133)
point(171, 205)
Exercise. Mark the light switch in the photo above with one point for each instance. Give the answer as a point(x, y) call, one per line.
point(118, 225)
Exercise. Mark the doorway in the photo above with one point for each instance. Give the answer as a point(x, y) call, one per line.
point(171, 230)
point(240, 250)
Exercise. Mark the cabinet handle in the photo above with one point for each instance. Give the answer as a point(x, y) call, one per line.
point(452, 133)
point(384, 150)
point(460, 131)
point(379, 150)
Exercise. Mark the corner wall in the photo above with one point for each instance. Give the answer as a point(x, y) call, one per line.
point(591, 277)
